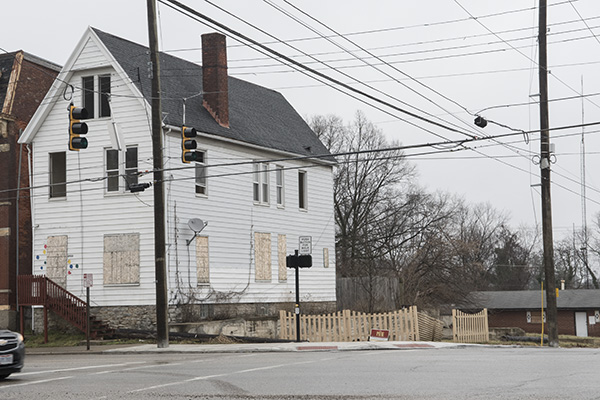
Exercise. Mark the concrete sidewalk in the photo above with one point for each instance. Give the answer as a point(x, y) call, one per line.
point(241, 347)
point(283, 347)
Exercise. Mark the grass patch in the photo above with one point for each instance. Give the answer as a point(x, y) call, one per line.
point(55, 339)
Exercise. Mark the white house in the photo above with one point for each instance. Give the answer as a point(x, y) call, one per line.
point(263, 180)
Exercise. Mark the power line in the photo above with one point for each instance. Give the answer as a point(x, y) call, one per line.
point(454, 143)
point(408, 27)
point(335, 81)
point(584, 21)
point(517, 50)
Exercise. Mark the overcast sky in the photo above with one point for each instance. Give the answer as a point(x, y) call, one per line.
point(446, 60)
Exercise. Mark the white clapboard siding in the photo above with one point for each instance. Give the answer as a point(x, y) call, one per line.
point(88, 212)
point(233, 218)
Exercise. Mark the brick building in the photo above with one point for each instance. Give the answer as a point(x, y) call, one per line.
point(24, 81)
point(578, 310)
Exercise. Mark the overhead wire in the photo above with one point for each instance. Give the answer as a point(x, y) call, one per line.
point(515, 149)
point(337, 82)
point(518, 51)
point(584, 21)
point(408, 27)
point(193, 12)
point(308, 158)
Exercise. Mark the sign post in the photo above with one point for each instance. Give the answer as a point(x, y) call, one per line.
point(88, 282)
point(298, 261)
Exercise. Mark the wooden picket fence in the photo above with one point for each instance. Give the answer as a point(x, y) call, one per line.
point(350, 326)
point(470, 328)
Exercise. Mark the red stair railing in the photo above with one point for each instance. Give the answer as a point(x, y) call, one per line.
point(38, 290)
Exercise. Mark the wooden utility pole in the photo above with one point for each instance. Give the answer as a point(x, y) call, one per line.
point(162, 322)
point(551, 313)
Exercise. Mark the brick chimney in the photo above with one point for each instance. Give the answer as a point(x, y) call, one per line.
point(214, 77)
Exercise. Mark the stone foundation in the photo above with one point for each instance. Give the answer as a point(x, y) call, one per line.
point(243, 319)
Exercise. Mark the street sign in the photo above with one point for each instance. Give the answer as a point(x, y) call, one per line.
point(379, 335)
point(298, 261)
point(88, 280)
point(305, 245)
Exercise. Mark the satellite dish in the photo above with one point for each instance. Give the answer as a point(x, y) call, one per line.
point(196, 224)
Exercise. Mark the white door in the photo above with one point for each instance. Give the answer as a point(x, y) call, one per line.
point(581, 324)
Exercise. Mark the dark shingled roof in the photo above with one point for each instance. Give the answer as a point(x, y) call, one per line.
point(257, 115)
point(532, 299)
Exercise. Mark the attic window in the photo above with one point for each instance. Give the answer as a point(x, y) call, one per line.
point(96, 95)
point(87, 83)
point(104, 83)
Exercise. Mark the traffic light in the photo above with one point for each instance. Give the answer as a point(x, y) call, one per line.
point(188, 144)
point(76, 128)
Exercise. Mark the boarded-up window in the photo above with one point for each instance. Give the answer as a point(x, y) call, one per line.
point(122, 259)
point(262, 256)
point(325, 257)
point(202, 270)
point(56, 259)
point(281, 254)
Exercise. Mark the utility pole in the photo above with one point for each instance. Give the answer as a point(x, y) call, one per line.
point(162, 322)
point(551, 313)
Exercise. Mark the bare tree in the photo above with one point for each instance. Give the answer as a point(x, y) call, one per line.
point(364, 184)
point(432, 248)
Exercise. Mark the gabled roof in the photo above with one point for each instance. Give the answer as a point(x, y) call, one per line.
point(532, 299)
point(257, 115)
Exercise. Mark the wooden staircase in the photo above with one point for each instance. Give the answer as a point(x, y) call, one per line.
point(38, 290)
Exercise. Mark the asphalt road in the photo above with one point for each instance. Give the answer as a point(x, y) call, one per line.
point(468, 373)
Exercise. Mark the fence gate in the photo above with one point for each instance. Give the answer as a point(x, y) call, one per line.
point(470, 328)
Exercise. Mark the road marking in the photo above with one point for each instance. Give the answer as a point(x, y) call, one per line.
point(199, 378)
point(36, 382)
point(52, 371)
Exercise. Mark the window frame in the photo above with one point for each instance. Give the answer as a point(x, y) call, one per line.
point(262, 257)
point(131, 172)
point(302, 190)
point(280, 186)
point(88, 95)
point(200, 180)
point(104, 110)
point(110, 172)
point(95, 97)
point(202, 261)
point(127, 174)
point(113, 269)
point(261, 186)
point(57, 188)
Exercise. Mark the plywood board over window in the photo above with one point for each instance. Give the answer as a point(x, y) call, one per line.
point(262, 256)
point(281, 254)
point(325, 257)
point(56, 259)
point(202, 270)
point(122, 259)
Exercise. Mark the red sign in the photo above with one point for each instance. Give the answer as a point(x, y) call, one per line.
point(379, 334)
